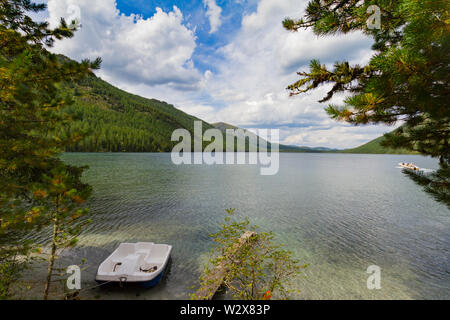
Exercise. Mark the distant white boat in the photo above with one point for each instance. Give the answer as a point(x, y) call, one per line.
point(142, 262)
point(409, 166)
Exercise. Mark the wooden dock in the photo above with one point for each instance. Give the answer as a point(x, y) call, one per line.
point(215, 278)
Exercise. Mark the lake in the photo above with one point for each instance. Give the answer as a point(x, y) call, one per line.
point(339, 213)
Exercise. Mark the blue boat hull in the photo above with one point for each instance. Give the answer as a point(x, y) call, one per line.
point(153, 282)
point(145, 284)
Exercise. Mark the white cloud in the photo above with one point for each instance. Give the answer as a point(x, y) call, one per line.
point(213, 12)
point(262, 60)
point(152, 51)
point(335, 136)
point(153, 58)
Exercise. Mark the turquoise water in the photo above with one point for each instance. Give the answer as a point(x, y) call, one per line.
point(339, 213)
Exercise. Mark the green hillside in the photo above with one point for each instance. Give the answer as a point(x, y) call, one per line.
point(117, 121)
point(222, 126)
point(375, 147)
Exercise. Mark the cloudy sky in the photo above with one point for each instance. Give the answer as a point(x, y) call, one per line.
point(220, 60)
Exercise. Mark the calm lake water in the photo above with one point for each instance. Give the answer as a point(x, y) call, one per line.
point(339, 213)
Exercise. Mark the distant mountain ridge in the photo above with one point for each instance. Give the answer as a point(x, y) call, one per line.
point(371, 147)
point(118, 121)
point(375, 147)
point(283, 148)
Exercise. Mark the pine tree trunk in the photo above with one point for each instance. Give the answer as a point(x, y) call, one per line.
point(52, 258)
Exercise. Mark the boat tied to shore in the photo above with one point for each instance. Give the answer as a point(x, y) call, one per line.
point(141, 262)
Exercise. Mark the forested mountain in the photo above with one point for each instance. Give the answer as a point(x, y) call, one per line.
point(375, 147)
point(117, 121)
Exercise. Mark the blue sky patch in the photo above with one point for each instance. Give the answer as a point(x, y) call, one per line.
point(195, 19)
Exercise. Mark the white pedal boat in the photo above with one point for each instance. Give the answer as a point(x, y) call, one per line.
point(141, 262)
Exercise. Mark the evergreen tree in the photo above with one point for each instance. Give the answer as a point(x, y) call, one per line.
point(31, 104)
point(406, 80)
point(255, 268)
